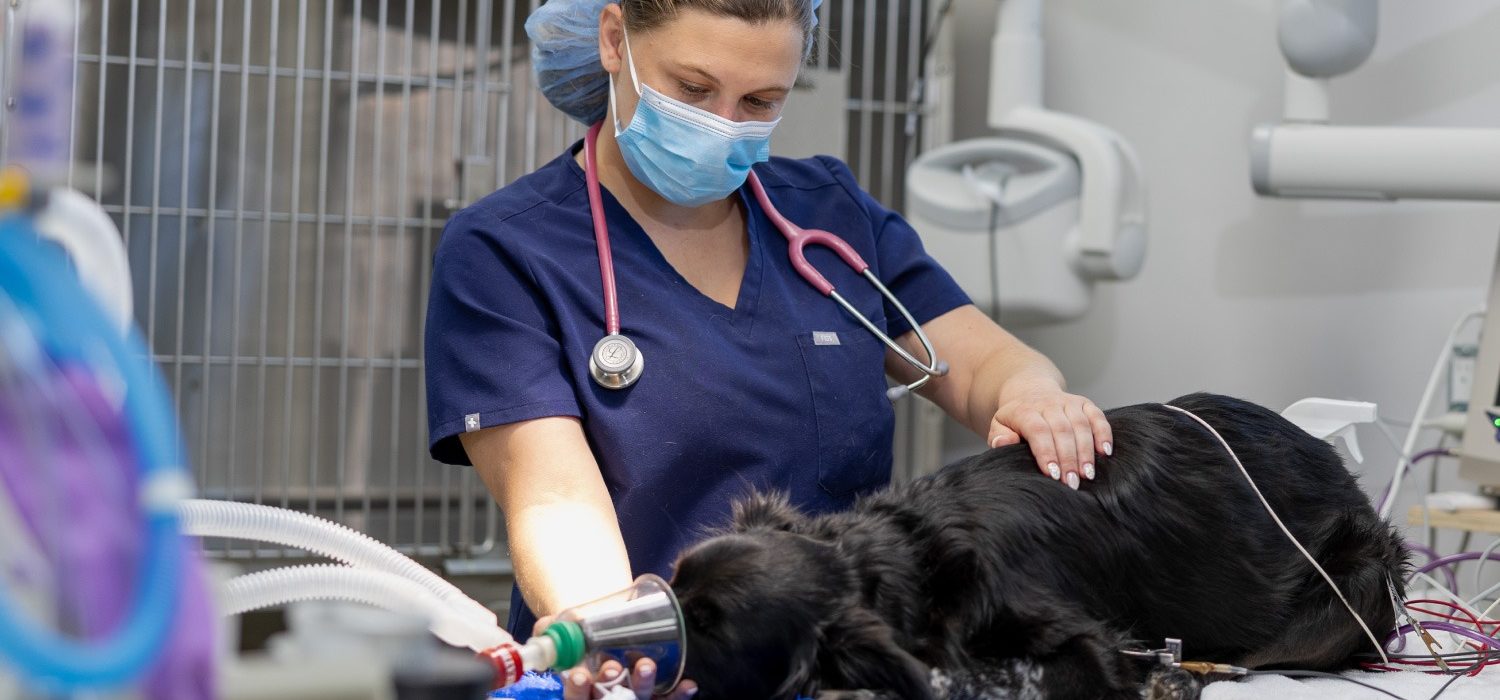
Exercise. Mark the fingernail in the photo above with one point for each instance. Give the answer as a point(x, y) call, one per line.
point(1073, 480)
point(610, 673)
point(1054, 470)
point(1088, 471)
point(995, 441)
point(1109, 449)
point(646, 670)
point(579, 679)
point(690, 692)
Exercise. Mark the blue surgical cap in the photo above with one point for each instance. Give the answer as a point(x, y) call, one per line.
point(565, 55)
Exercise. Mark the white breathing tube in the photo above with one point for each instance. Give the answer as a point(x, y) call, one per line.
point(204, 518)
point(381, 589)
point(81, 226)
point(376, 575)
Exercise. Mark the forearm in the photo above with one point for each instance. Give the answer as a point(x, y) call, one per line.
point(566, 553)
point(1009, 369)
point(987, 365)
point(1008, 393)
point(564, 537)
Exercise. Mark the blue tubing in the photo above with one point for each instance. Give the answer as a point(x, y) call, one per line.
point(71, 328)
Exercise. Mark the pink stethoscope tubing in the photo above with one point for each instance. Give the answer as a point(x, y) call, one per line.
point(797, 239)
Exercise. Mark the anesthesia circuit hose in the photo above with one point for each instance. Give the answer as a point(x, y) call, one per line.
point(247, 521)
point(561, 646)
point(381, 589)
point(70, 328)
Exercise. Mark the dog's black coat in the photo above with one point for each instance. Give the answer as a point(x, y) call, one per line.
point(988, 579)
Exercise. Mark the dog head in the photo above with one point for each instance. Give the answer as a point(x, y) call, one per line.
point(772, 611)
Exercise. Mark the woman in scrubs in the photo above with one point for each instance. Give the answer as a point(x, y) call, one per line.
point(753, 379)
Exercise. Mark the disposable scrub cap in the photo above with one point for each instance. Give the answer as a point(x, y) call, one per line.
point(565, 55)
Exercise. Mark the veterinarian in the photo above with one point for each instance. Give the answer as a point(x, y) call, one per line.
point(749, 376)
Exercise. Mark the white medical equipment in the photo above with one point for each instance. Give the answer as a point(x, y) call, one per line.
point(1479, 453)
point(616, 362)
point(1029, 220)
point(1327, 419)
point(82, 406)
point(1306, 156)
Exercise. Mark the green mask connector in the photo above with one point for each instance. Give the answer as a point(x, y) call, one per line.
point(568, 638)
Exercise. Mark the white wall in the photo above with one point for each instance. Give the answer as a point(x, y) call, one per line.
point(1271, 300)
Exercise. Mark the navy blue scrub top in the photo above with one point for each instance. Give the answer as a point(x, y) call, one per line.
point(784, 391)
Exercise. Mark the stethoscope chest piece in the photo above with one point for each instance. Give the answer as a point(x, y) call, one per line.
point(616, 362)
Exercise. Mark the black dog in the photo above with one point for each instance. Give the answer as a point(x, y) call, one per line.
point(988, 579)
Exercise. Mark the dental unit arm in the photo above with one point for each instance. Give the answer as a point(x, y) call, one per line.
point(1058, 200)
point(1307, 156)
point(1110, 242)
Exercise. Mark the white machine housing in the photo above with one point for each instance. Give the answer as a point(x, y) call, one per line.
point(1032, 205)
point(1306, 156)
point(1062, 197)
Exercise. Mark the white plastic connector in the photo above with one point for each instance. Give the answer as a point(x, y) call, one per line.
point(1327, 419)
point(1451, 423)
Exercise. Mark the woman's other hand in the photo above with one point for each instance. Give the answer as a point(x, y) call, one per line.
point(1065, 431)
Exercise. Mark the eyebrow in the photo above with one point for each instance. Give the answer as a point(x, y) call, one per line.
point(709, 77)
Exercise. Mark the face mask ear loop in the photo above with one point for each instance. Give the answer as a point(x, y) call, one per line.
point(630, 59)
point(614, 109)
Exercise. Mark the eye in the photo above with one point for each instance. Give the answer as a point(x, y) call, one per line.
point(691, 90)
point(759, 105)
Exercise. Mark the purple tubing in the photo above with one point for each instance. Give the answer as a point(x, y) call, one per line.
point(1452, 559)
point(1432, 556)
point(99, 547)
point(1403, 630)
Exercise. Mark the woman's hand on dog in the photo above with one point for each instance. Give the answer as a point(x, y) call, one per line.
point(578, 682)
point(1065, 431)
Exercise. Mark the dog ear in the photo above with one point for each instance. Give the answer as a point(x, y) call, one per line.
point(802, 673)
point(771, 511)
point(859, 652)
point(703, 614)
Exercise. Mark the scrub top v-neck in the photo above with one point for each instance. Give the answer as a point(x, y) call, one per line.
point(784, 392)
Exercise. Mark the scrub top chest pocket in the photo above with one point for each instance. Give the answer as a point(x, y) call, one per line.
point(853, 418)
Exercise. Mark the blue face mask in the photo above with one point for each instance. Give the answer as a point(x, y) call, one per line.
point(687, 155)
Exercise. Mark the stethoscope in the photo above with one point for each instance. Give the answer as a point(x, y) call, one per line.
point(616, 362)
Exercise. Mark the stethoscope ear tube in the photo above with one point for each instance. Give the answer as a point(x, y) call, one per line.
point(933, 367)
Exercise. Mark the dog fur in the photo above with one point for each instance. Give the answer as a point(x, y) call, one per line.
point(990, 580)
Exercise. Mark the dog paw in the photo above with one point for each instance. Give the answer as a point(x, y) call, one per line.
point(1167, 683)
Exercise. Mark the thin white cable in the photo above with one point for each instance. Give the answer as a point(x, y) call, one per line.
point(1456, 598)
point(1390, 439)
point(1379, 648)
point(1476, 600)
point(1487, 610)
point(1479, 569)
point(1422, 406)
point(615, 689)
point(1458, 602)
